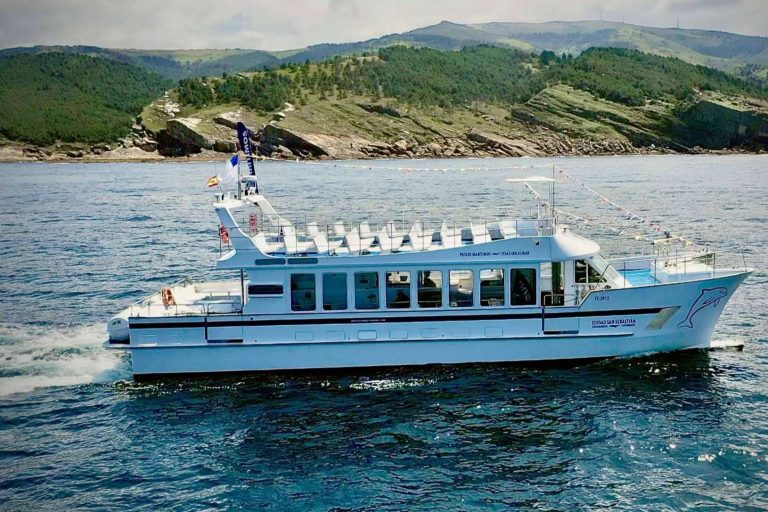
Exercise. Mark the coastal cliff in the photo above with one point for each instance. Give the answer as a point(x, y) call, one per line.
point(418, 103)
point(558, 121)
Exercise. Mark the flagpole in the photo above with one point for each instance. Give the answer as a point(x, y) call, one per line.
point(239, 182)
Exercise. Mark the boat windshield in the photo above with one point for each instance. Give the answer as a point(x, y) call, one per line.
point(604, 268)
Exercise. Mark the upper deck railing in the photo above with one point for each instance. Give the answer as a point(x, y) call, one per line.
point(300, 234)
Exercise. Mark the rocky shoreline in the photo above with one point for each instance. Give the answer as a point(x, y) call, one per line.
point(400, 135)
point(478, 146)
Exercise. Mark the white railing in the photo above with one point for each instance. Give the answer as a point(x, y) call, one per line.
point(232, 302)
point(293, 232)
point(662, 267)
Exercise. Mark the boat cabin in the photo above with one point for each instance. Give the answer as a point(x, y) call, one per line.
point(506, 263)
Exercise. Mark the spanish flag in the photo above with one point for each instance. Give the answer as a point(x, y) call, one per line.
point(213, 181)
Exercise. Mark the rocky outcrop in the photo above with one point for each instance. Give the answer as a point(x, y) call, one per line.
point(380, 109)
point(474, 143)
point(274, 138)
point(227, 119)
point(183, 136)
point(184, 131)
point(510, 147)
point(715, 122)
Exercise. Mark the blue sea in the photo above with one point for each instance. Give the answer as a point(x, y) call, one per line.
point(79, 242)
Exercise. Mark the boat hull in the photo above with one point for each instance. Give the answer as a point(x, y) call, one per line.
point(255, 358)
point(613, 323)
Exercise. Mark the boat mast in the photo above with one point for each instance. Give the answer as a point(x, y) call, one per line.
point(552, 210)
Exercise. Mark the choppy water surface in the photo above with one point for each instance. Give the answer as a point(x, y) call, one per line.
point(79, 242)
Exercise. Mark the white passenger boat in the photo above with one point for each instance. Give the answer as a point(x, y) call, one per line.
point(340, 295)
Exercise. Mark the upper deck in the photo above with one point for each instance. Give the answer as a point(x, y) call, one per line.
point(275, 237)
point(274, 234)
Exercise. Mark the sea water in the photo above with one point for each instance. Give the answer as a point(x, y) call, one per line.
point(79, 242)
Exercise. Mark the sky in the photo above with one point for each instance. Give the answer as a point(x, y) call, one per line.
point(285, 24)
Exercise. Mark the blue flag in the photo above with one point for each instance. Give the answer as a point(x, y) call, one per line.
point(244, 136)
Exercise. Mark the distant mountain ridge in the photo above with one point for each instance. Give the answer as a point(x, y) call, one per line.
point(739, 54)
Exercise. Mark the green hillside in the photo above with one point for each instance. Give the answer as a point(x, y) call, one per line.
point(632, 77)
point(72, 98)
point(484, 74)
point(173, 64)
point(480, 101)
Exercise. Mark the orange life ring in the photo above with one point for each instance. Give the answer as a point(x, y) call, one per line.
point(167, 295)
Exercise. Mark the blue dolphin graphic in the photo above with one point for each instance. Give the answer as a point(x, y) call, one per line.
point(707, 297)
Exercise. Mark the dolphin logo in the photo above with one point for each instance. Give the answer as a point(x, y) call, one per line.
point(707, 297)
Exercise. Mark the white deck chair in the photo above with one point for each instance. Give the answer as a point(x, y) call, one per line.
point(385, 242)
point(265, 246)
point(321, 243)
point(494, 230)
point(339, 230)
point(365, 231)
point(288, 236)
point(394, 236)
point(507, 228)
point(480, 233)
point(419, 242)
point(352, 242)
point(312, 229)
point(450, 236)
point(366, 237)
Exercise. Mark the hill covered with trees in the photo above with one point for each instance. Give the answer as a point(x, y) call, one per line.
point(484, 74)
point(604, 100)
point(72, 98)
point(398, 101)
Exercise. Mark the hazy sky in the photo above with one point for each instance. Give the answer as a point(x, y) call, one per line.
point(284, 24)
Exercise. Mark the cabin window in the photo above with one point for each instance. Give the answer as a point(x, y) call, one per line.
point(522, 287)
point(460, 294)
point(367, 290)
point(265, 289)
point(586, 273)
point(430, 289)
point(303, 292)
point(492, 287)
point(334, 291)
point(398, 290)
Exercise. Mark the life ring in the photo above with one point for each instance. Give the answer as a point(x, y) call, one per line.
point(167, 295)
point(224, 234)
point(253, 221)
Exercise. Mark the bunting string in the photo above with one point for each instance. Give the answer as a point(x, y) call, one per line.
point(664, 235)
point(402, 168)
point(629, 215)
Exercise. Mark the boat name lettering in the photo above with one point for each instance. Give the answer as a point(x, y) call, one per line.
point(475, 254)
point(613, 322)
point(367, 320)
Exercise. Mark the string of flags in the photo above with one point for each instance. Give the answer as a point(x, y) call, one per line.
point(629, 214)
point(543, 201)
point(411, 168)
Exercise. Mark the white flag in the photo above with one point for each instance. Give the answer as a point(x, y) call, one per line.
point(229, 178)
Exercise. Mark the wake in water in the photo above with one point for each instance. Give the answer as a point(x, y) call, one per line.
point(724, 343)
point(33, 357)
